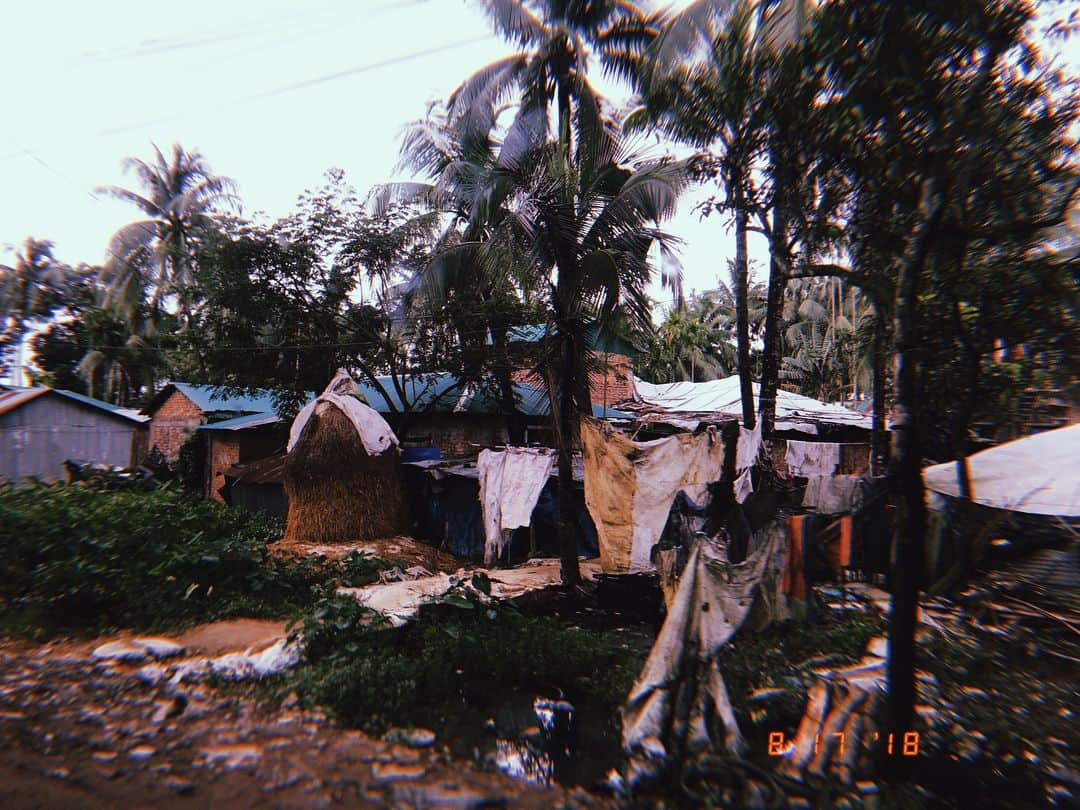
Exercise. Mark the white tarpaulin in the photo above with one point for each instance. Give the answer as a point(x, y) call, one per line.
point(1039, 474)
point(722, 396)
point(679, 703)
point(375, 434)
point(630, 486)
point(510, 484)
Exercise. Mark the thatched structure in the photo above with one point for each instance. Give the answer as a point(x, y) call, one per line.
point(337, 491)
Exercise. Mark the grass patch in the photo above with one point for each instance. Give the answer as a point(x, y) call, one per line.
point(75, 558)
point(373, 677)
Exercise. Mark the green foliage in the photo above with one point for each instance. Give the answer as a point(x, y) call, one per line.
point(375, 677)
point(191, 465)
point(74, 558)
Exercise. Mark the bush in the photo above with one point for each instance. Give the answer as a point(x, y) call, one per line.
point(374, 677)
point(75, 558)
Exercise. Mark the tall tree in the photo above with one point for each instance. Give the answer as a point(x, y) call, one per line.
point(576, 206)
point(151, 260)
point(30, 290)
point(923, 137)
point(709, 103)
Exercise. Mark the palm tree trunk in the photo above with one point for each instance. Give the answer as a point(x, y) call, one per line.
point(742, 313)
point(774, 310)
point(515, 429)
point(566, 428)
point(879, 442)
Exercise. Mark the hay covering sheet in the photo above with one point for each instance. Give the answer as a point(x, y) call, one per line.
point(630, 486)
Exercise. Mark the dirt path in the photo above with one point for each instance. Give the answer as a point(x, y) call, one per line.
point(80, 733)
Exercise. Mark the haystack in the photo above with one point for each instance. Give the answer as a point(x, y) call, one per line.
point(342, 472)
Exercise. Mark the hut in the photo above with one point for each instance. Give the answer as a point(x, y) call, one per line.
point(342, 470)
point(41, 428)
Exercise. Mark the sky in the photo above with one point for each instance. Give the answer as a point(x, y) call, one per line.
point(273, 95)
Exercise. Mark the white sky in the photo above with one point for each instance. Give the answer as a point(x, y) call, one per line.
point(271, 94)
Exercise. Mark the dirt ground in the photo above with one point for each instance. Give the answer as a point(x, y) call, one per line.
point(80, 733)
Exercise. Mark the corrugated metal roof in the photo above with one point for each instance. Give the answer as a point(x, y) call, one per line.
point(429, 393)
point(245, 422)
point(210, 398)
point(443, 393)
point(9, 400)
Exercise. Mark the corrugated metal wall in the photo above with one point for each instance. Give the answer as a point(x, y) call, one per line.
point(36, 438)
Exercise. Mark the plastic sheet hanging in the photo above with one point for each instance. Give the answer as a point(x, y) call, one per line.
point(679, 704)
point(630, 486)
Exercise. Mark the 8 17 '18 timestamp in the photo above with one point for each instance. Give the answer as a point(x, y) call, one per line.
point(905, 745)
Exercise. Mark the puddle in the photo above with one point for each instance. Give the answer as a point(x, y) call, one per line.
point(540, 739)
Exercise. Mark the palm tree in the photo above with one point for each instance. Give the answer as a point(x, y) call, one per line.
point(771, 46)
point(569, 212)
point(453, 280)
point(153, 256)
point(583, 238)
point(29, 290)
point(715, 102)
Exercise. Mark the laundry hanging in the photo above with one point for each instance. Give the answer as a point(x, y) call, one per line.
point(829, 494)
point(510, 484)
point(748, 448)
point(812, 458)
point(630, 486)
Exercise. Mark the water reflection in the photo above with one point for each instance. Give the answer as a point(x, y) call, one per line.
point(538, 756)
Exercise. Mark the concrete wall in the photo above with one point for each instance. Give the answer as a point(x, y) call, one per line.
point(39, 436)
point(172, 423)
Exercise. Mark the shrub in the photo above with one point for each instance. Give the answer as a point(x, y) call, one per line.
point(372, 676)
point(72, 557)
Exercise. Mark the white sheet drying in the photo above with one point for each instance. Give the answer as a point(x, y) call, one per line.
point(510, 485)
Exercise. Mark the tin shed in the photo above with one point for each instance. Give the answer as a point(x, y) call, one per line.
point(41, 428)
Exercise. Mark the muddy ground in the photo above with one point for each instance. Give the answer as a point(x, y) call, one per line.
point(80, 733)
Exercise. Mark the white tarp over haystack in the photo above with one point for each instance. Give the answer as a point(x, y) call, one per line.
point(679, 703)
point(1038, 475)
point(630, 486)
point(344, 394)
point(510, 485)
point(722, 396)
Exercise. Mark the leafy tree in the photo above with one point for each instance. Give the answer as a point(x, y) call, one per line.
point(282, 306)
point(944, 153)
point(89, 349)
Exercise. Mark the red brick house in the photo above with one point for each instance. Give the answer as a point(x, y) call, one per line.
point(179, 408)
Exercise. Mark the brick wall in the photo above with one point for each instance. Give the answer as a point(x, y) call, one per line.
point(615, 383)
point(223, 452)
point(172, 423)
point(611, 386)
point(457, 434)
